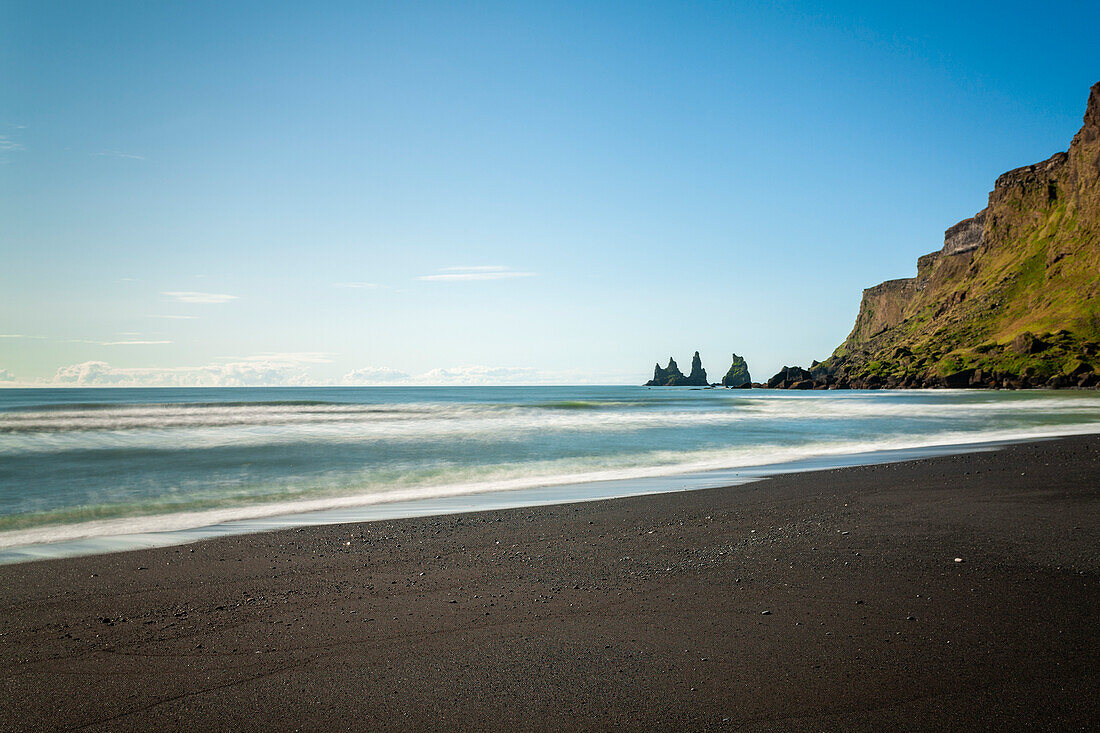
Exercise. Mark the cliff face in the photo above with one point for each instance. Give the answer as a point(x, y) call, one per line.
point(1025, 267)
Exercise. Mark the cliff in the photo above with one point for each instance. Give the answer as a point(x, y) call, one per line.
point(1012, 299)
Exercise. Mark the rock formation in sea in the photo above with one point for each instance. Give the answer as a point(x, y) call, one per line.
point(671, 376)
point(738, 374)
point(1011, 300)
point(698, 375)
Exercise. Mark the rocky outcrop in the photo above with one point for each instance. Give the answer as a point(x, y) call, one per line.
point(968, 234)
point(738, 374)
point(666, 377)
point(671, 376)
point(1012, 299)
point(698, 375)
point(792, 378)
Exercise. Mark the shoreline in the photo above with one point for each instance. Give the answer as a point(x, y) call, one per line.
point(121, 535)
point(643, 612)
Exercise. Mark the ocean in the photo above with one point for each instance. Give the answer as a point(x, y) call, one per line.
point(85, 470)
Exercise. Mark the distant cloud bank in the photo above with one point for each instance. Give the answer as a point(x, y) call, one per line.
point(291, 370)
point(233, 374)
point(472, 375)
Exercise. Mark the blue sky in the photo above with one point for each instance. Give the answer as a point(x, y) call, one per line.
point(242, 193)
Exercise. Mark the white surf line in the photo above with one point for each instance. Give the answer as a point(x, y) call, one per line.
point(389, 506)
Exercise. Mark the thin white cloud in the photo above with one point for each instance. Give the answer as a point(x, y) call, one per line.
point(172, 318)
point(118, 154)
point(8, 145)
point(188, 296)
point(478, 272)
point(132, 343)
point(357, 285)
point(476, 268)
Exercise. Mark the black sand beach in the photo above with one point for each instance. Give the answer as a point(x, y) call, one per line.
point(816, 601)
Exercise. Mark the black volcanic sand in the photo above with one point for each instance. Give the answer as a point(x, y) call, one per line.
point(820, 601)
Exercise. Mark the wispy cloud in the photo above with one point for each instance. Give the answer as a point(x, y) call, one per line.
point(123, 342)
point(118, 154)
point(357, 285)
point(9, 145)
point(171, 318)
point(188, 296)
point(132, 343)
point(477, 272)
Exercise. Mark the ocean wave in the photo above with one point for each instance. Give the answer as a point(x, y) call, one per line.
point(174, 427)
point(156, 516)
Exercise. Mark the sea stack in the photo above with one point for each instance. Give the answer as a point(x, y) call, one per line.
point(698, 376)
point(667, 377)
point(738, 375)
point(671, 376)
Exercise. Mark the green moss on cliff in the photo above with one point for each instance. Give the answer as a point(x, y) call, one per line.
point(1036, 269)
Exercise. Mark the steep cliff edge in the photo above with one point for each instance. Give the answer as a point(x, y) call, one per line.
point(1012, 299)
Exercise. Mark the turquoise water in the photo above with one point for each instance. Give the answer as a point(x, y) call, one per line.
point(87, 462)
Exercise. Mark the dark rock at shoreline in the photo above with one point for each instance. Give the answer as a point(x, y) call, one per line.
point(738, 374)
point(1081, 376)
point(788, 377)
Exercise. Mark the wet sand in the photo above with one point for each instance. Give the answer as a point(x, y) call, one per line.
point(815, 601)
